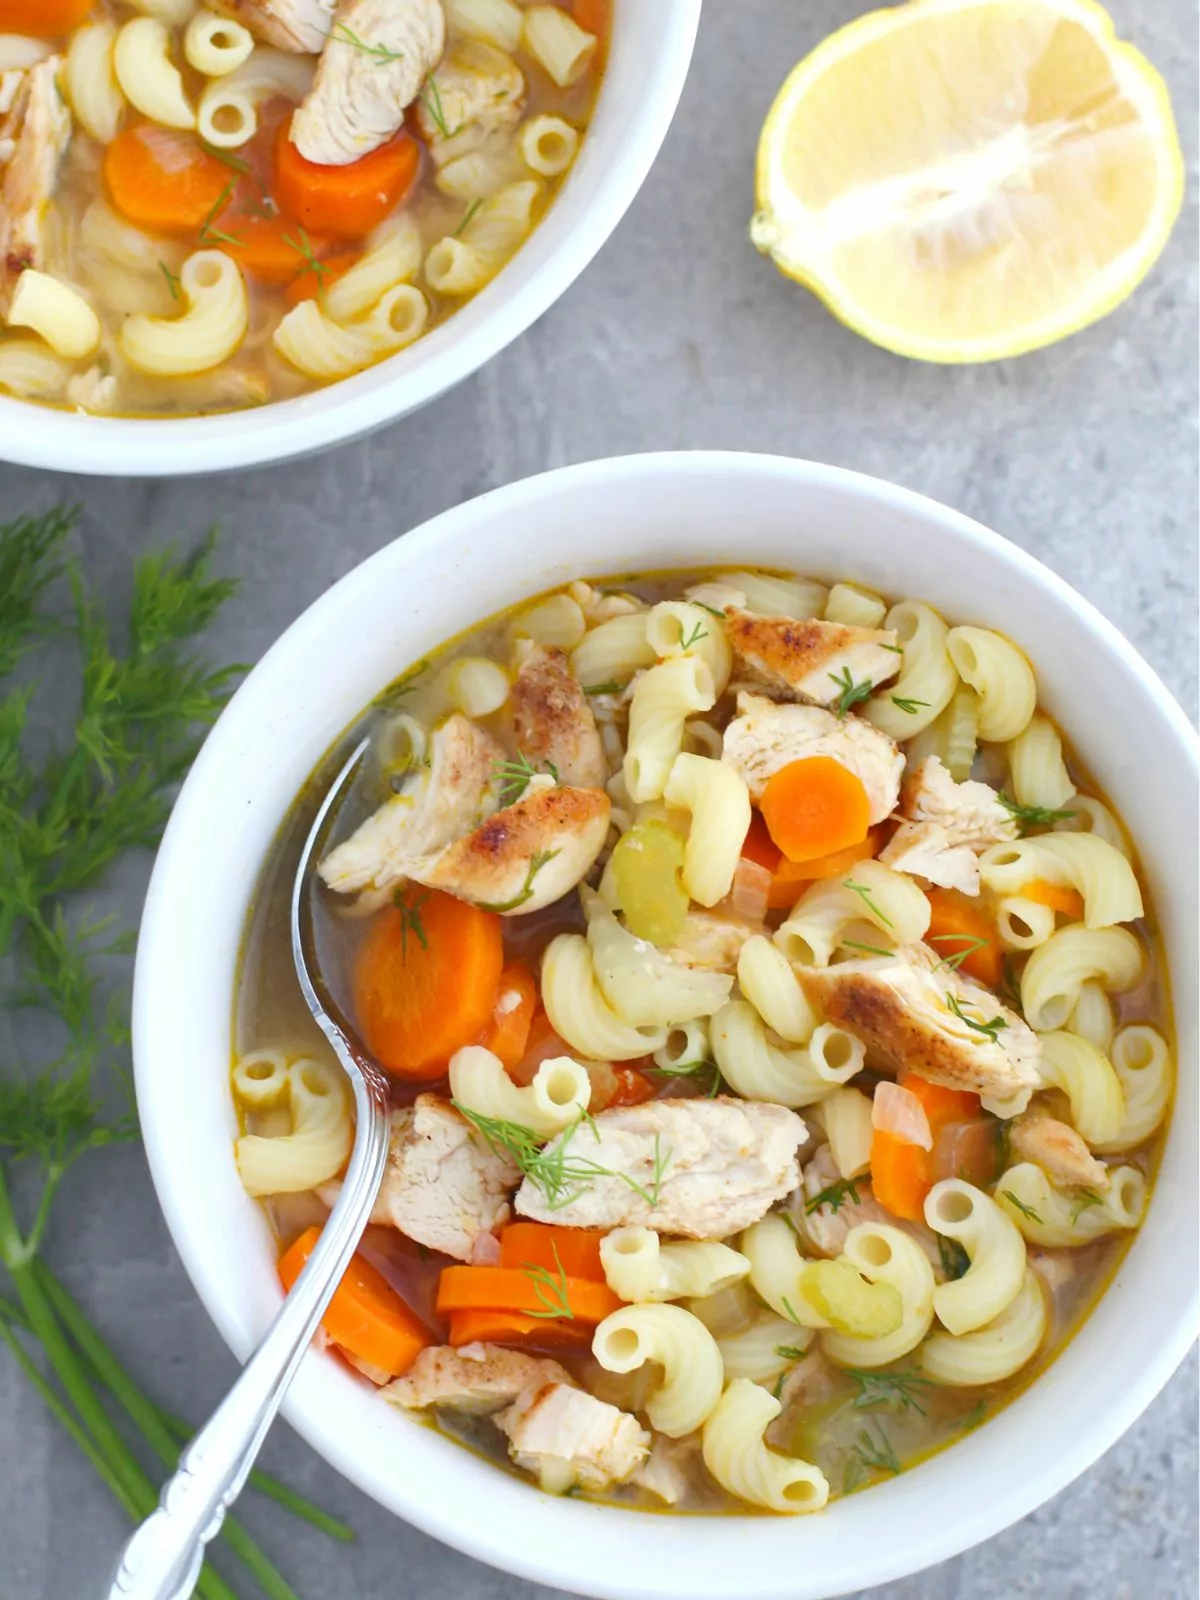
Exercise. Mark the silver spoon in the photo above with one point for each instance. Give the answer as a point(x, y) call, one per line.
point(162, 1559)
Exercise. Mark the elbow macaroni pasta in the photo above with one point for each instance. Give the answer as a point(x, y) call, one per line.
point(927, 676)
point(558, 44)
point(1000, 675)
point(762, 1350)
point(1035, 762)
point(1082, 861)
point(679, 628)
point(1092, 1016)
point(56, 312)
point(995, 1351)
point(210, 329)
point(477, 686)
point(496, 22)
point(798, 598)
point(846, 1118)
point(31, 371)
point(758, 1070)
point(638, 1267)
point(148, 78)
point(579, 1012)
point(556, 623)
point(393, 256)
point(1142, 1063)
point(1057, 971)
point(1047, 1216)
point(1090, 1083)
point(320, 1140)
point(994, 1246)
point(613, 652)
point(772, 988)
point(559, 1094)
point(227, 115)
point(737, 1456)
point(883, 1254)
point(91, 81)
point(462, 265)
point(1024, 924)
point(1089, 815)
point(681, 1345)
point(260, 1079)
point(854, 607)
point(777, 1269)
point(216, 45)
point(817, 923)
point(718, 801)
point(663, 699)
point(548, 145)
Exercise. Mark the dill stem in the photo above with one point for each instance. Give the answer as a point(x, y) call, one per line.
point(144, 1414)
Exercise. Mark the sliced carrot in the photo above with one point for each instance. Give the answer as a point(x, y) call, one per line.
point(272, 249)
point(792, 877)
point(575, 1251)
point(344, 201)
point(311, 282)
point(758, 845)
point(425, 981)
point(165, 180)
point(633, 1087)
point(529, 1292)
point(1057, 896)
point(366, 1316)
point(815, 806)
point(507, 1034)
point(903, 1174)
point(510, 1327)
point(592, 16)
point(956, 926)
point(942, 1105)
point(45, 19)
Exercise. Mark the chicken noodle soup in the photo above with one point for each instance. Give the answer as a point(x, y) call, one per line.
point(780, 1041)
point(204, 207)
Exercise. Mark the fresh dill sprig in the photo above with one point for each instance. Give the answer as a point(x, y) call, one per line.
point(990, 1030)
point(173, 280)
point(909, 706)
point(516, 776)
point(864, 894)
point(1010, 986)
point(467, 215)
point(712, 610)
point(1026, 1211)
point(551, 1289)
point(892, 1390)
point(208, 234)
point(867, 949)
point(552, 1167)
point(789, 1352)
point(852, 693)
point(873, 1452)
point(525, 892)
point(834, 1196)
point(695, 1070)
point(410, 920)
point(431, 98)
point(303, 246)
point(972, 1418)
point(1032, 816)
point(396, 693)
point(341, 34)
point(611, 687)
point(970, 943)
point(1083, 1201)
point(694, 637)
point(894, 648)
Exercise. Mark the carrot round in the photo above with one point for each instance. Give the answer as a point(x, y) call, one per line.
point(511, 1327)
point(45, 19)
point(366, 1316)
point(903, 1174)
point(955, 926)
point(507, 1033)
point(758, 845)
point(526, 1291)
point(1057, 896)
point(164, 180)
point(344, 201)
point(941, 1105)
point(789, 881)
point(271, 249)
point(815, 806)
point(425, 981)
point(575, 1251)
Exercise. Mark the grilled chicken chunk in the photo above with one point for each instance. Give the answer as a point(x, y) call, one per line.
point(825, 1227)
point(702, 1168)
point(451, 797)
point(478, 1379)
point(569, 1438)
point(920, 1016)
point(813, 661)
point(301, 26)
point(764, 737)
point(478, 94)
point(442, 1187)
point(525, 857)
point(375, 61)
point(553, 720)
point(945, 825)
point(1055, 1147)
point(34, 134)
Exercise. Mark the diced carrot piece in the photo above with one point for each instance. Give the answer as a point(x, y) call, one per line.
point(942, 1105)
point(165, 180)
point(900, 1176)
point(633, 1088)
point(815, 806)
point(529, 1292)
point(345, 201)
point(510, 1327)
point(45, 19)
point(575, 1251)
point(956, 925)
point(271, 249)
point(366, 1316)
point(507, 1034)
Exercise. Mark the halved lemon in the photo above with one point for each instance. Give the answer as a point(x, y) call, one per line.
point(961, 180)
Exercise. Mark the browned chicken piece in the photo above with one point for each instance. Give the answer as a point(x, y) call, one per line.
point(553, 721)
point(478, 94)
point(301, 26)
point(568, 1438)
point(764, 737)
point(919, 1016)
point(442, 802)
point(945, 825)
point(442, 1187)
point(525, 857)
point(1057, 1149)
point(374, 65)
point(478, 1379)
point(813, 661)
point(843, 1206)
point(34, 134)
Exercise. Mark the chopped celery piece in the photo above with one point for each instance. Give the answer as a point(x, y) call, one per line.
point(837, 1292)
point(646, 864)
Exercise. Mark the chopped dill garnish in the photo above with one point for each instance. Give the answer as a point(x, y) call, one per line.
point(695, 1070)
point(403, 686)
point(341, 34)
point(1026, 1211)
point(611, 687)
point(1084, 1200)
point(893, 1390)
point(868, 949)
point(536, 863)
point(516, 776)
point(698, 632)
point(872, 1453)
point(431, 98)
point(894, 648)
point(851, 693)
point(207, 231)
point(777, 1390)
point(990, 1030)
point(712, 610)
point(788, 1352)
point(303, 247)
point(972, 1419)
point(970, 943)
point(550, 1288)
point(910, 706)
point(834, 1196)
point(789, 1310)
point(864, 894)
point(467, 215)
point(1032, 816)
point(550, 1165)
point(1010, 988)
point(410, 920)
point(172, 279)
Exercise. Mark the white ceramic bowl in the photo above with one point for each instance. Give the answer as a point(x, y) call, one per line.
point(651, 47)
point(648, 513)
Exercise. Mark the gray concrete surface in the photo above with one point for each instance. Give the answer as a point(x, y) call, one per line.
point(678, 336)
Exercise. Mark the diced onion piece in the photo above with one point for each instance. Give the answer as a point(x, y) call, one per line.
point(898, 1111)
point(751, 890)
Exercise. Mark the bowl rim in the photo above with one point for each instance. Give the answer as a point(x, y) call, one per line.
point(34, 435)
point(1019, 1495)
